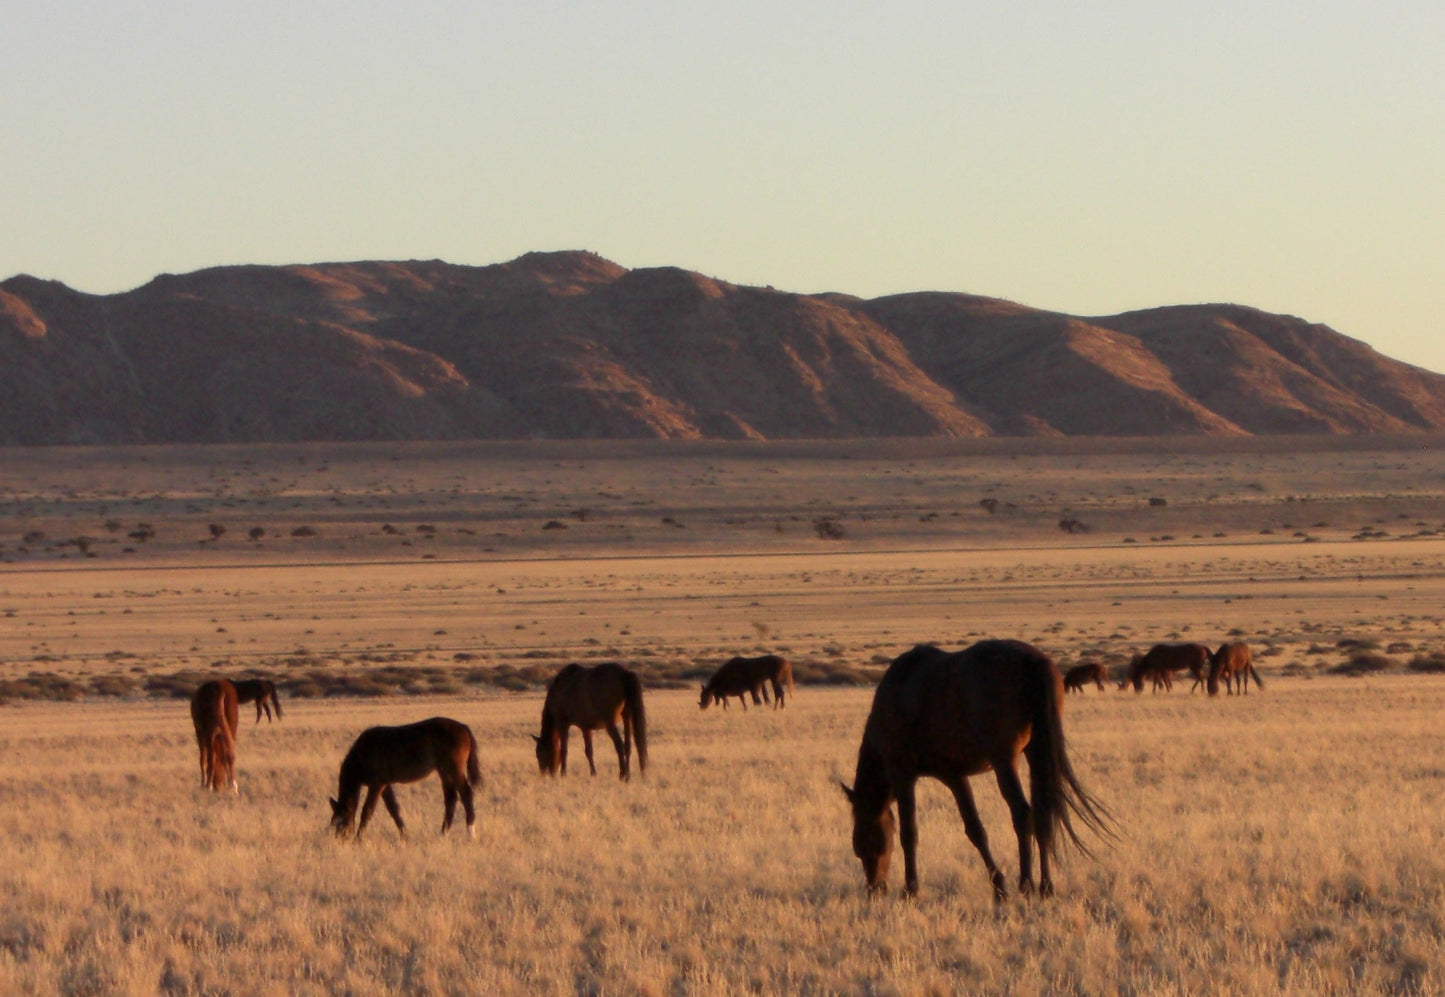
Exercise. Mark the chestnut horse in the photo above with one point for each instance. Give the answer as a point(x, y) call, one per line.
point(262, 692)
point(1232, 662)
point(215, 716)
point(739, 676)
point(1161, 661)
point(954, 715)
point(1080, 675)
point(589, 698)
point(381, 756)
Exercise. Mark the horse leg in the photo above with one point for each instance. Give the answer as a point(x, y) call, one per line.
point(587, 746)
point(624, 751)
point(449, 804)
point(777, 694)
point(464, 789)
point(973, 827)
point(562, 738)
point(908, 835)
point(1018, 805)
point(388, 796)
point(372, 792)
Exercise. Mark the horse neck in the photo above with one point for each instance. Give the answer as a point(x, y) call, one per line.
point(549, 723)
point(871, 791)
point(348, 788)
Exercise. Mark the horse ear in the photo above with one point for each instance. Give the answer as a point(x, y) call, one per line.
point(536, 738)
point(335, 807)
point(847, 791)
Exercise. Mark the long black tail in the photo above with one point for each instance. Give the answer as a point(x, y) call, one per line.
point(1057, 795)
point(632, 688)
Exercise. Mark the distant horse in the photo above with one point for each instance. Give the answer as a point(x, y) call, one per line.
point(1162, 660)
point(953, 715)
point(1080, 675)
point(1232, 662)
point(748, 675)
point(215, 716)
point(588, 698)
point(262, 692)
point(381, 756)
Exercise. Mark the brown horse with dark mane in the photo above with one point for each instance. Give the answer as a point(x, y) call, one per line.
point(1160, 662)
point(740, 676)
point(1081, 675)
point(382, 756)
point(216, 717)
point(588, 698)
point(954, 715)
point(262, 692)
point(1232, 662)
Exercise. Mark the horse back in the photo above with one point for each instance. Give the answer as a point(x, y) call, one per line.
point(734, 677)
point(215, 702)
point(408, 753)
point(961, 712)
point(587, 697)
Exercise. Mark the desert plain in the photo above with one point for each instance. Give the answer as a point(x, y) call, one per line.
point(1287, 841)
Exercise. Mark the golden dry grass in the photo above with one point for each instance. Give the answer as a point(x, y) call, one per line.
point(1286, 842)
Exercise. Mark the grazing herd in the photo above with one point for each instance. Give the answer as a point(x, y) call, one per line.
point(945, 715)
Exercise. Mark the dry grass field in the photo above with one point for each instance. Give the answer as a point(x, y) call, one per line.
point(1285, 842)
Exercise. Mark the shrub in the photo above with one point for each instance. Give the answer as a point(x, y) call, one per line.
point(1363, 663)
point(1432, 663)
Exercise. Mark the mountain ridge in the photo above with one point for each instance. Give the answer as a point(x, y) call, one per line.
point(571, 345)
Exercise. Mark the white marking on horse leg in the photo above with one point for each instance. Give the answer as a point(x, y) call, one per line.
point(471, 830)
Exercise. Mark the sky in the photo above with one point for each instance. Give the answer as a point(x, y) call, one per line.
point(1084, 157)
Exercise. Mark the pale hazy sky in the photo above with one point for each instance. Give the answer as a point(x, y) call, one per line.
point(1085, 157)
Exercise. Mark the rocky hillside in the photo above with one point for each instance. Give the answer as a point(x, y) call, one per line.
point(569, 345)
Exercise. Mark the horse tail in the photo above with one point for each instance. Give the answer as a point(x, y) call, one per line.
point(223, 757)
point(276, 702)
point(632, 692)
point(474, 765)
point(1055, 791)
point(787, 675)
point(1259, 682)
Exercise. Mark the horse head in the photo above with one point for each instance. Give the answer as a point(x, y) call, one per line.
point(706, 699)
point(873, 835)
point(547, 761)
point(341, 816)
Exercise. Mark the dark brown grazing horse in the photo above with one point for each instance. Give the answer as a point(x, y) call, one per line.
point(588, 698)
point(953, 715)
point(215, 716)
point(1162, 660)
point(1081, 675)
point(381, 756)
point(262, 692)
point(740, 675)
point(1232, 662)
